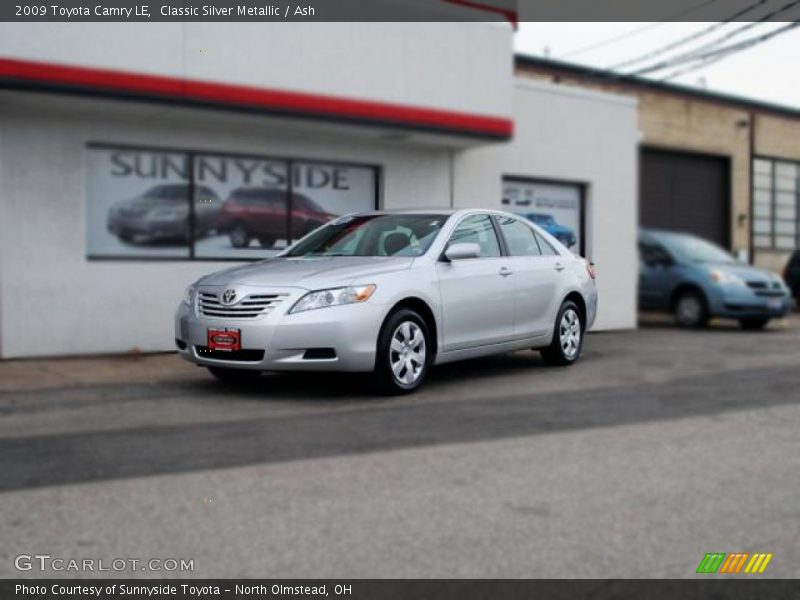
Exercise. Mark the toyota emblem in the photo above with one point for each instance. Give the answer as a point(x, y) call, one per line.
point(229, 296)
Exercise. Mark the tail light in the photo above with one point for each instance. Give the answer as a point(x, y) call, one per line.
point(590, 269)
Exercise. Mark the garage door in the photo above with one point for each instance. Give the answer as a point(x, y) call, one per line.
point(685, 192)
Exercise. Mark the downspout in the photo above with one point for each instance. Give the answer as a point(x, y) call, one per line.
point(751, 155)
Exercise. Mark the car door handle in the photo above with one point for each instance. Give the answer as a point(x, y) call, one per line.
point(559, 266)
point(505, 272)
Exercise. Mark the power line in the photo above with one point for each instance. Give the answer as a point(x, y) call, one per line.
point(720, 52)
point(730, 35)
point(638, 30)
point(713, 59)
point(689, 38)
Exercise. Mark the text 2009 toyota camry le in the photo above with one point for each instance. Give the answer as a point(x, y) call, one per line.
point(392, 293)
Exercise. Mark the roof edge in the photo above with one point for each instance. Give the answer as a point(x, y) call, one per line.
point(601, 75)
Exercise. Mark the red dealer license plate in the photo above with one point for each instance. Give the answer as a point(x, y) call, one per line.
point(227, 340)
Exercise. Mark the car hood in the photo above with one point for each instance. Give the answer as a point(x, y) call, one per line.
point(310, 273)
point(745, 272)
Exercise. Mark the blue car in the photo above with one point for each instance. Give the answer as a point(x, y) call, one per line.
point(696, 280)
point(562, 233)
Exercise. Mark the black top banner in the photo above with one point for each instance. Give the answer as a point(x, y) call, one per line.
point(505, 11)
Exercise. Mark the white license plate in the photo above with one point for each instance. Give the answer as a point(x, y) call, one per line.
point(775, 303)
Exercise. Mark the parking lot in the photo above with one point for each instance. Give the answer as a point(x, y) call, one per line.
point(659, 446)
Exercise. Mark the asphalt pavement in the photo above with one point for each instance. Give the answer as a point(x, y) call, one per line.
point(659, 446)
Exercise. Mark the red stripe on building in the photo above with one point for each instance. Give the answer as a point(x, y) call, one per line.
point(301, 104)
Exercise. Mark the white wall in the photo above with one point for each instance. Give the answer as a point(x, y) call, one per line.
point(576, 136)
point(55, 301)
point(452, 66)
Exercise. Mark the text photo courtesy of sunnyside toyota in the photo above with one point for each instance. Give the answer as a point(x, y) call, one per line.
point(375, 299)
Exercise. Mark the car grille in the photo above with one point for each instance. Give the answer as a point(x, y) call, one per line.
point(763, 288)
point(251, 306)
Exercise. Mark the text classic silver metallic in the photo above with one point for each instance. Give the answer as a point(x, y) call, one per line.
point(392, 293)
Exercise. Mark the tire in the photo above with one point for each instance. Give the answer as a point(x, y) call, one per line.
point(266, 241)
point(403, 354)
point(239, 236)
point(568, 330)
point(690, 310)
point(754, 323)
point(234, 376)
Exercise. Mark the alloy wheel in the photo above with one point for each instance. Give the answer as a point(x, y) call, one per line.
point(407, 353)
point(569, 333)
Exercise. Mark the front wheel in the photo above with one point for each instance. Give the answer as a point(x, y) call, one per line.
point(403, 353)
point(234, 376)
point(690, 310)
point(567, 337)
point(239, 236)
point(754, 324)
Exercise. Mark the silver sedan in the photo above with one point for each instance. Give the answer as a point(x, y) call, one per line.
point(392, 293)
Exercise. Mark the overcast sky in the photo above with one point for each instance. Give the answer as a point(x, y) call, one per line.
point(769, 71)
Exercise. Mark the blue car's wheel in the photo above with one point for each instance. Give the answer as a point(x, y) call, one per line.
point(690, 310)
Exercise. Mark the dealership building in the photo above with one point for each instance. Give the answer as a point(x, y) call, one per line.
point(135, 158)
point(723, 167)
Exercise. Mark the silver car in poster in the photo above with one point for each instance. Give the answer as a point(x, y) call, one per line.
point(392, 293)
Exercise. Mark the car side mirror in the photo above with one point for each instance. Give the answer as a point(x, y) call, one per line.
point(462, 251)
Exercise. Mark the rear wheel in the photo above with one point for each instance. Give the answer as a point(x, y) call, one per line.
point(234, 376)
point(239, 236)
point(266, 241)
point(567, 337)
point(690, 310)
point(403, 353)
point(754, 323)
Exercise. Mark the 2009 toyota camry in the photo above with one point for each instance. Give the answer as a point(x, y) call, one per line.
point(392, 293)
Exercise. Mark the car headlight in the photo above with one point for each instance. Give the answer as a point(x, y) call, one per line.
point(166, 213)
point(188, 295)
point(352, 294)
point(726, 278)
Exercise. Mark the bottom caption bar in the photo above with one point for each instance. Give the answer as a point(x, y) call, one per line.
point(391, 589)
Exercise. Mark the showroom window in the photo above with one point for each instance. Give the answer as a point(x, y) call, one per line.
point(557, 207)
point(776, 204)
point(164, 204)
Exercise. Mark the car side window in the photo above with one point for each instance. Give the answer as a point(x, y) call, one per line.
point(544, 246)
point(520, 239)
point(477, 229)
point(652, 253)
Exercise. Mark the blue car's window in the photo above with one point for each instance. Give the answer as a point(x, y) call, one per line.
point(694, 249)
point(372, 235)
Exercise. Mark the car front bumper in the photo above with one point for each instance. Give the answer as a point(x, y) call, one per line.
point(745, 303)
point(350, 331)
point(147, 228)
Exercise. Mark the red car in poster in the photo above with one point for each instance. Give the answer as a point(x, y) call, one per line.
point(261, 213)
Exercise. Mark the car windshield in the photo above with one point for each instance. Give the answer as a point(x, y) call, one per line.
point(372, 235)
point(695, 249)
point(542, 219)
point(170, 192)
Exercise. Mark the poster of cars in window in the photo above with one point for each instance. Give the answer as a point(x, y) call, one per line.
point(242, 207)
point(555, 207)
point(137, 203)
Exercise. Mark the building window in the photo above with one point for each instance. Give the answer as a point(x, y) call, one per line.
point(557, 207)
point(776, 204)
point(148, 203)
